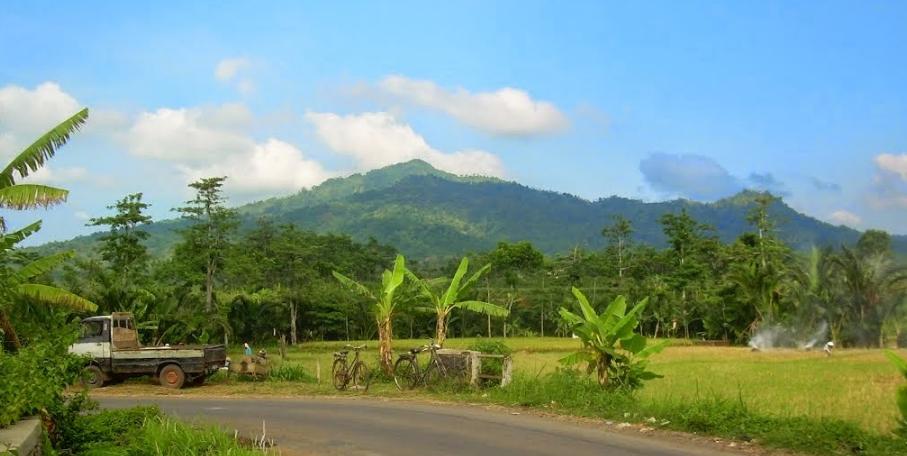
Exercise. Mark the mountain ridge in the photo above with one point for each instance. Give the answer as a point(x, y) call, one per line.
point(425, 212)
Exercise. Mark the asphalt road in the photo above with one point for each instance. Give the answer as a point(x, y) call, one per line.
point(337, 426)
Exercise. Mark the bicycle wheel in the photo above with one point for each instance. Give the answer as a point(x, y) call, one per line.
point(406, 374)
point(433, 375)
point(338, 374)
point(360, 377)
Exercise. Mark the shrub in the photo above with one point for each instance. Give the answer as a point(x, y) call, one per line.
point(491, 366)
point(290, 373)
point(33, 379)
point(611, 348)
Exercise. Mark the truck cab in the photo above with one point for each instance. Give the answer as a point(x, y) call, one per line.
point(111, 345)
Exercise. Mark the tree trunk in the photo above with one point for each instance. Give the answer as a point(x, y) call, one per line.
point(293, 339)
point(209, 287)
point(12, 339)
point(489, 326)
point(385, 333)
point(441, 329)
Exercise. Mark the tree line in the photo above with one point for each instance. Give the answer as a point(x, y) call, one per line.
point(220, 284)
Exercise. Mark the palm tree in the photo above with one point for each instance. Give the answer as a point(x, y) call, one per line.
point(443, 304)
point(873, 285)
point(16, 283)
point(385, 305)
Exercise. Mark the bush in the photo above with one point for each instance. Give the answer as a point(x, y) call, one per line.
point(33, 379)
point(290, 373)
point(491, 366)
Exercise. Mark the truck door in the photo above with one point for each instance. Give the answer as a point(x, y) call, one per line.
point(94, 340)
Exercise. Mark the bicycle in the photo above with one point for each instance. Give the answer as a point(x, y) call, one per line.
point(356, 373)
point(408, 373)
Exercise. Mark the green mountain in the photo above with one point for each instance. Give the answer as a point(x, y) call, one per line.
point(425, 212)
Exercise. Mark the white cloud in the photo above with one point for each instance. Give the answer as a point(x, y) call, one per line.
point(227, 69)
point(378, 139)
point(25, 114)
point(190, 135)
point(843, 217)
point(81, 215)
point(215, 141)
point(889, 187)
point(53, 175)
point(272, 166)
point(506, 111)
point(893, 163)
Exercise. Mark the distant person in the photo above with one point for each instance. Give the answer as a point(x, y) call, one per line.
point(246, 349)
point(828, 348)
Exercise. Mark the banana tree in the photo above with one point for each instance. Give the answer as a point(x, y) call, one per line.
point(445, 303)
point(611, 348)
point(29, 196)
point(17, 283)
point(13, 195)
point(385, 304)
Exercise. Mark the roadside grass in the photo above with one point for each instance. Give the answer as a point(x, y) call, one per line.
point(144, 431)
point(857, 386)
point(804, 401)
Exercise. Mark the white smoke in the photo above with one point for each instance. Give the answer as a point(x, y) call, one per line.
point(778, 336)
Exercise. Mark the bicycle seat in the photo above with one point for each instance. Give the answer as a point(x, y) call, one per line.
point(416, 351)
point(341, 353)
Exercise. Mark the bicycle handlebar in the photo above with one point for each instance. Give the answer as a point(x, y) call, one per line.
point(355, 347)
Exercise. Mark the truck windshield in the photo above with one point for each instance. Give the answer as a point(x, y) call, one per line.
point(92, 329)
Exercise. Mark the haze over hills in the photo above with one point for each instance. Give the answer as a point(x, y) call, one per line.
point(425, 212)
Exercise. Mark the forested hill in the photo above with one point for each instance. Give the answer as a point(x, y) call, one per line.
point(429, 213)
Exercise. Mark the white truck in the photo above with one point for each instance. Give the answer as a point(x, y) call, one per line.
point(112, 345)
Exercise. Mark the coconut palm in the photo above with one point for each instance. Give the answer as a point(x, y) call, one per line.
point(444, 303)
point(385, 305)
point(15, 283)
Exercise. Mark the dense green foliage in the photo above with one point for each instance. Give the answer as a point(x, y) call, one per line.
point(611, 347)
point(428, 213)
point(34, 378)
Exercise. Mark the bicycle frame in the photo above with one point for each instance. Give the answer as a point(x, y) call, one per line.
point(433, 361)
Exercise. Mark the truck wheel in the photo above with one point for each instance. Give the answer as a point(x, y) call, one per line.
point(93, 377)
point(172, 376)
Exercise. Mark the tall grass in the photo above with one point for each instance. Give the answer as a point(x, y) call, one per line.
point(144, 431)
point(576, 394)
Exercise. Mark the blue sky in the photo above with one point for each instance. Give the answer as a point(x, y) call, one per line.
point(650, 100)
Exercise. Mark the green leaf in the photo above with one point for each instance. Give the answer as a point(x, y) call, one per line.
point(474, 278)
point(41, 266)
point(450, 296)
point(484, 308)
point(653, 349)
point(353, 285)
point(633, 344)
point(588, 312)
point(35, 155)
point(576, 358)
point(31, 196)
point(55, 296)
point(898, 362)
point(8, 241)
point(649, 375)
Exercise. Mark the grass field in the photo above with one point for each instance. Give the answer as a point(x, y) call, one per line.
point(853, 385)
point(785, 399)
